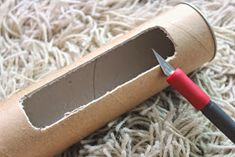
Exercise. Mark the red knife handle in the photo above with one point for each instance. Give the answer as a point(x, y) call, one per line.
point(186, 87)
point(201, 101)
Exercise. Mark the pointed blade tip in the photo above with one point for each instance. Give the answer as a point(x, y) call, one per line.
point(157, 56)
point(166, 67)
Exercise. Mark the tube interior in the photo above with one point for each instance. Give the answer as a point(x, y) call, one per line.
point(92, 80)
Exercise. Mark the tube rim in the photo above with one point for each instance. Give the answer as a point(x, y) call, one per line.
point(207, 23)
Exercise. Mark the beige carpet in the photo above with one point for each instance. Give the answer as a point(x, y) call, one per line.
point(38, 37)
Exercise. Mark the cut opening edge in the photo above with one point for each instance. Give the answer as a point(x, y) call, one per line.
point(95, 99)
point(80, 108)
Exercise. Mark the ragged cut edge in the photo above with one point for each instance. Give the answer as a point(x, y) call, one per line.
point(82, 107)
point(27, 118)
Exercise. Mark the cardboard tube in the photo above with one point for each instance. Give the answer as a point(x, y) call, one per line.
point(73, 102)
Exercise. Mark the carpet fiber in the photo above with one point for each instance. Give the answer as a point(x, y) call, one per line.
point(38, 37)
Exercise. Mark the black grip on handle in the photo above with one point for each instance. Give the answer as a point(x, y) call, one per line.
point(220, 119)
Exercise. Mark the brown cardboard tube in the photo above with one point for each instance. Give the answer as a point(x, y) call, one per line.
point(73, 102)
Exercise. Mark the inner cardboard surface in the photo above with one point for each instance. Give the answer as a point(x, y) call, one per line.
point(92, 80)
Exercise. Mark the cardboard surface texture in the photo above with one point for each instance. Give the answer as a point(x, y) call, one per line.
point(73, 102)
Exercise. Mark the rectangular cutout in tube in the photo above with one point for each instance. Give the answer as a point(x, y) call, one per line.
point(92, 80)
